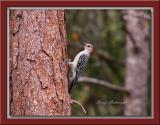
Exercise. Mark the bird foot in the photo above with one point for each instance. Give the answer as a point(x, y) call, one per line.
point(66, 61)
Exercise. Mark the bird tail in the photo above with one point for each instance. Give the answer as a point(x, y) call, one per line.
point(71, 84)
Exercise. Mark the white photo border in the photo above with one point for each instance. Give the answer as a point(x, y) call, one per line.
point(88, 117)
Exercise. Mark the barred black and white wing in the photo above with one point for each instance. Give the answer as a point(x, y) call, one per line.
point(82, 62)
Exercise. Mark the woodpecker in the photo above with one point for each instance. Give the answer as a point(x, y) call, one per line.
point(79, 63)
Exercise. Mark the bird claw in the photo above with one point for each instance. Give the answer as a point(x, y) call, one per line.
point(66, 61)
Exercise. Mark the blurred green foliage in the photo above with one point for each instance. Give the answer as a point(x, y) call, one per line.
point(105, 28)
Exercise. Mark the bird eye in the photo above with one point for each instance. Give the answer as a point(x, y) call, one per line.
point(88, 45)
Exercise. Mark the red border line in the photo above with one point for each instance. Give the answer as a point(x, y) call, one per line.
point(6, 4)
point(79, 4)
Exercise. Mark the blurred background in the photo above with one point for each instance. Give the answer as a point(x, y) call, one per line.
point(106, 29)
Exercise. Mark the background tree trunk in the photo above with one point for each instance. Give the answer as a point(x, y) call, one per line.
point(38, 81)
point(137, 63)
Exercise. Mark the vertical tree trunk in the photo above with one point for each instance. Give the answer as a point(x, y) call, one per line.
point(38, 80)
point(137, 63)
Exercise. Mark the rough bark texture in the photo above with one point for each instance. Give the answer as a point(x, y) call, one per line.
point(38, 80)
point(137, 63)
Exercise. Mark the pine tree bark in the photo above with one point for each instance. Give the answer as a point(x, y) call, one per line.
point(38, 78)
point(137, 65)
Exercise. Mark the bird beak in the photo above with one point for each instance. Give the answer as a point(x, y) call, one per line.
point(82, 43)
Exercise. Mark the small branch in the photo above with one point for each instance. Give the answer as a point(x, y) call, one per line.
point(107, 56)
point(74, 101)
point(102, 83)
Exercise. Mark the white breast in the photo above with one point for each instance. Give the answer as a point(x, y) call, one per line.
point(76, 59)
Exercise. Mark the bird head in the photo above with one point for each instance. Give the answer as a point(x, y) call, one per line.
point(87, 46)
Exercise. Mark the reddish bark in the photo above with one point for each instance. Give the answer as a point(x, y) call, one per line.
point(38, 81)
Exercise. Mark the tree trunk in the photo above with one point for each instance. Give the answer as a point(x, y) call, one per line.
point(137, 63)
point(38, 80)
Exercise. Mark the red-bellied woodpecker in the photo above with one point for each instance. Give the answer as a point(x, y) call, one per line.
point(79, 63)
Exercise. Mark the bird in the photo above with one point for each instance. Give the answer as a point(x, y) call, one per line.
point(79, 64)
